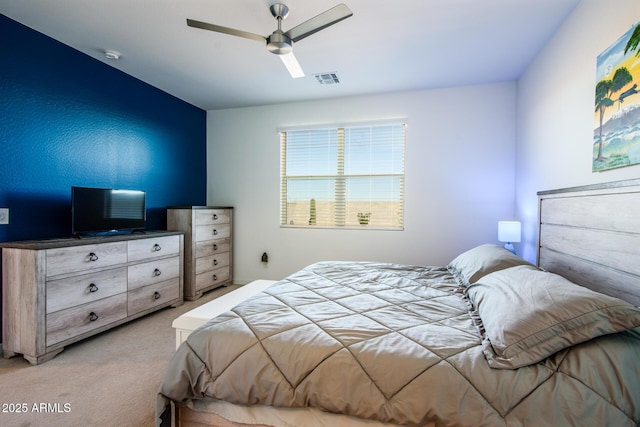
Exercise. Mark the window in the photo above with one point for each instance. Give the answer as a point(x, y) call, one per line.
point(343, 177)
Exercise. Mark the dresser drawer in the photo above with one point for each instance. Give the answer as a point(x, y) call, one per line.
point(212, 262)
point(208, 231)
point(152, 272)
point(212, 216)
point(84, 257)
point(74, 321)
point(77, 290)
point(156, 247)
point(212, 247)
point(211, 232)
point(210, 278)
point(148, 297)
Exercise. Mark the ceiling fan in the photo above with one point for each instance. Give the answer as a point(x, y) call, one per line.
point(280, 42)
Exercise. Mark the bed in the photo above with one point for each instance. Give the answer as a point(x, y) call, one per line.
point(488, 339)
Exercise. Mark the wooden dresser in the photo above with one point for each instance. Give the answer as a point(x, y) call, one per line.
point(208, 246)
point(60, 291)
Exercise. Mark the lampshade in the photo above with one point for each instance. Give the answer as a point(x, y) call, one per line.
point(509, 231)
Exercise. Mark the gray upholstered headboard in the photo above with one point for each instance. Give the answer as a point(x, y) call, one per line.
point(591, 235)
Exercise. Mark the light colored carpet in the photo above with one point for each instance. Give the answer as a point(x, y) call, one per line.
point(110, 379)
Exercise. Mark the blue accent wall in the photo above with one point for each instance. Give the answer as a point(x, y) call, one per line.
point(68, 119)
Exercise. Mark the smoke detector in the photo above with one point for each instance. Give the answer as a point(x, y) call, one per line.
point(112, 54)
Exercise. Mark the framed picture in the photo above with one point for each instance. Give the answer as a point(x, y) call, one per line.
point(616, 137)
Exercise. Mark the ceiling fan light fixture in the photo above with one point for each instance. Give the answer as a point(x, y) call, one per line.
point(279, 43)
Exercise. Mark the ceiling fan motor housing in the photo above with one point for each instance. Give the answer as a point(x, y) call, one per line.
point(279, 43)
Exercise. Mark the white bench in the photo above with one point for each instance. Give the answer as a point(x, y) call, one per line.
point(190, 320)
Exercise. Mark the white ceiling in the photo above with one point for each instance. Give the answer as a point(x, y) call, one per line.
point(384, 47)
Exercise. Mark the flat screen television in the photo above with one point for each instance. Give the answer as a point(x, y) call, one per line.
point(105, 210)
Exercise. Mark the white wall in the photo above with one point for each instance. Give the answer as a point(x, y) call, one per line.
point(555, 119)
point(459, 167)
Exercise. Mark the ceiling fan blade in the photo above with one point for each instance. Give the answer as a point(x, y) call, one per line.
point(292, 64)
point(315, 24)
point(225, 30)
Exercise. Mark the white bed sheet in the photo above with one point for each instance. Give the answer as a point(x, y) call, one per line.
point(281, 417)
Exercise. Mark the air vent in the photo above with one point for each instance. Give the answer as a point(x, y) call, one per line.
point(327, 78)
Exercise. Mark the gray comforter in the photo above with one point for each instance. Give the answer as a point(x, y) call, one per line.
point(397, 344)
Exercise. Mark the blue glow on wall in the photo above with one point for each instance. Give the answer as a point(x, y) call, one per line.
point(68, 119)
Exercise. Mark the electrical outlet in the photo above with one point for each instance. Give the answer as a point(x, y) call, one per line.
point(4, 215)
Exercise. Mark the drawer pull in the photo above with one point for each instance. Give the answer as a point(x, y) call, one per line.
point(156, 295)
point(215, 216)
point(215, 232)
point(156, 248)
point(215, 277)
point(93, 256)
point(93, 288)
point(93, 316)
point(215, 247)
point(215, 262)
point(156, 272)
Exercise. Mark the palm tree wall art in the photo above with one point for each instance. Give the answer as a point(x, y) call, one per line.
point(616, 137)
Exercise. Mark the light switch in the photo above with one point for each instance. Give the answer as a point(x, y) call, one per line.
point(4, 215)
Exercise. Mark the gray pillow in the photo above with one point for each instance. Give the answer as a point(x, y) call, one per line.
point(475, 263)
point(529, 314)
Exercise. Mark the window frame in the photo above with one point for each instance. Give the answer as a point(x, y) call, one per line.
point(340, 198)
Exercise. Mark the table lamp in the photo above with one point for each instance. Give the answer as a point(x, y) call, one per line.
point(509, 232)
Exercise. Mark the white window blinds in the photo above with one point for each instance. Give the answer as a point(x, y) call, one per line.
point(343, 177)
